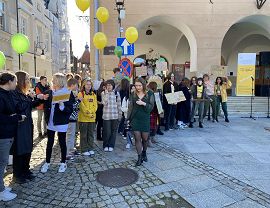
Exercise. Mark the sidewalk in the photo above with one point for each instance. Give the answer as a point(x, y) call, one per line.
point(222, 165)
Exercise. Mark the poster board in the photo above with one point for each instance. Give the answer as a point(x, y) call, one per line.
point(158, 103)
point(57, 98)
point(141, 71)
point(218, 71)
point(175, 97)
point(245, 74)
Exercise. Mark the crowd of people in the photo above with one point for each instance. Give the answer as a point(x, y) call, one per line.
point(71, 107)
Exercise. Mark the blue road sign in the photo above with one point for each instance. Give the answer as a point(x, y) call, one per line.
point(128, 49)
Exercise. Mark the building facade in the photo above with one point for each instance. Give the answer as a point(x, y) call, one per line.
point(200, 33)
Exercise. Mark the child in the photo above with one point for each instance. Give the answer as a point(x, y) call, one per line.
point(73, 85)
point(87, 117)
point(111, 115)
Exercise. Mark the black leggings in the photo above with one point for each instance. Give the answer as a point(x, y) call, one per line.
point(62, 143)
point(21, 165)
point(141, 141)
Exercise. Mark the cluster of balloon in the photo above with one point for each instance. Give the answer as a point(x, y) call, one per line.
point(2, 60)
point(83, 5)
point(20, 43)
point(100, 40)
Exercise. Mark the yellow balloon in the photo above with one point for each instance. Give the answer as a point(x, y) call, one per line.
point(102, 14)
point(100, 40)
point(83, 5)
point(132, 34)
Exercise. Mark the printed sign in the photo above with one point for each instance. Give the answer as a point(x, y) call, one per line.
point(128, 49)
point(175, 97)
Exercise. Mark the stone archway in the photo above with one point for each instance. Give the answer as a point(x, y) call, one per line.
point(168, 42)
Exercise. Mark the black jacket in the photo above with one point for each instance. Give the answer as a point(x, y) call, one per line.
point(23, 141)
point(194, 92)
point(59, 117)
point(167, 89)
point(8, 117)
point(41, 88)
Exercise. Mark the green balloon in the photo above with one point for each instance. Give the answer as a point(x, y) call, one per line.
point(2, 60)
point(162, 59)
point(118, 51)
point(20, 43)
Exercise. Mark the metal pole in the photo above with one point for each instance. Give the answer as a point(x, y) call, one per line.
point(35, 59)
point(97, 67)
point(268, 116)
point(18, 29)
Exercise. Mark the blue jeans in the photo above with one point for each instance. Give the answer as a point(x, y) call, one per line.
point(5, 145)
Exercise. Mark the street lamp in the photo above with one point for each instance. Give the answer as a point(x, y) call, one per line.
point(42, 55)
point(120, 7)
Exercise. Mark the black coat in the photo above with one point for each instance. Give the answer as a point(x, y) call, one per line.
point(184, 108)
point(167, 89)
point(59, 117)
point(23, 141)
point(8, 117)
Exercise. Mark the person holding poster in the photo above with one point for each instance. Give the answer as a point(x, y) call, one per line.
point(170, 86)
point(184, 108)
point(221, 93)
point(199, 96)
point(58, 109)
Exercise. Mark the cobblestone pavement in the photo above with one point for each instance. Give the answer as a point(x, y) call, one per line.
point(170, 175)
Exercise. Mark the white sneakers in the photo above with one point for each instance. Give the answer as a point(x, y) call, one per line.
point(7, 195)
point(45, 168)
point(62, 168)
point(128, 146)
point(86, 154)
point(92, 152)
point(108, 149)
point(89, 153)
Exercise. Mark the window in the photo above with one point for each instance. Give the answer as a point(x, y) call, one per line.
point(2, 15)
point(47, 42)
point(38, 7)
point(39, 34)
point(23, 26)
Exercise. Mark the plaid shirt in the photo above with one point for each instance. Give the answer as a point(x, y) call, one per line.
point(111, 106)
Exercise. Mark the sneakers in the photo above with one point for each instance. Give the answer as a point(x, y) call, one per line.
point(7, 196)
point(62, 168)
point(128, 146)
point(8, 188)
point(227, 120)
point(106, 149)
point(91, 152)
point(45, 168)
point(110, 149)
point(86, 154)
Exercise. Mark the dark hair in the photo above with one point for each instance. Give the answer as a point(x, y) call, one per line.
point(205, 75)
point(143, 82)
point(111, 82)
point(69, 75)
point(130, 87)
point(100, 89)
point(185, 82)
point(170, 75)
point(42, 77)
point(152, 86)
point(72, 81)
point(221, 83)
point(78, 77)
point(191, 80)
point(124, 85)
point(199, 79)
point(116, 70)
point(21, 78)
point(6, 77)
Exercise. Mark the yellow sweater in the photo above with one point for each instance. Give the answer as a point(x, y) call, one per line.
point(223, 90)
point(88, 107)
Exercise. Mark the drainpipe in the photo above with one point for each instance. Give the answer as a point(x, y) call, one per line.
point(97, 67)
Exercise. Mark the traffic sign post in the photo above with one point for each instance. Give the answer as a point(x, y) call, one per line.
point(128, 49)
point(126, 67)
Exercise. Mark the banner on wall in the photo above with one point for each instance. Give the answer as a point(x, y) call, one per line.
point(245, 74)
